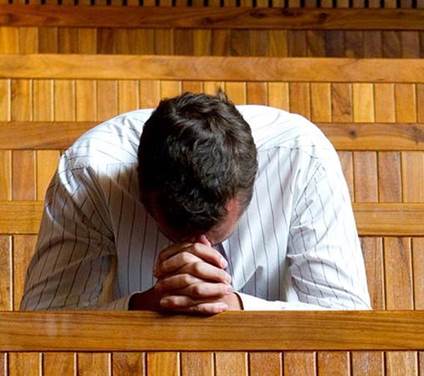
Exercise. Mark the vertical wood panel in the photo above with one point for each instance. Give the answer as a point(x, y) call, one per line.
point(418, 268)
point(3, 364)
point(47, 162)
point(257, 93)
point(413, 176)
point(164, 42)
point(401, 363)
point(374, 266)
point(48, 40)
point(335, 363)
point(5, 273)
point(87, 40)
point(398, 269)
point(202, 42)
point(43, 100)
point(373, 42)
point(64, 100)
point(341, 103)
point(192, 86)
point(269, 363)
point(385, 103)
point(149, 94)
point(410, 42)
point(183, 42)
point(220, 42)
point(258, 42)
point(24, 364)
point(299, 363)
point(391, 44)
point(389, 177)
point(236, 91)
point(300, 99)
point(212, 87)
point(23, 175)
point(21, 105)
point(127, 363)
point(128, 95)
point(59, 363)
point(68, 40)
point(420, 99)
point(365, 174)
point(197, 363)
point(9, 40)
point(107, 99)
point(346, 160)
point(315, 43)
point(354, 44)
point(93, 364)
point(405, 98)
point(278, 95)
point(85, 97)
point(163, 363)
point(321, 102)
point(28, 40)
point(5, 99)
point(297, 43)
point(231, 364)
point(363, 103)
point(23, 249)
point(169, 89)
point(239, 42)
point(334, 43)
point(277, 43)
point(5, 175)
point(367, 363)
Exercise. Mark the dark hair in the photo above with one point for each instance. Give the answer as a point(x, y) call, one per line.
point(196, 152)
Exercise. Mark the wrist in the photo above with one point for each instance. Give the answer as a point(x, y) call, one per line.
point(233, 301)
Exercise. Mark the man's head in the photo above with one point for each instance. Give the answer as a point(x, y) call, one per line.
point(197, 166)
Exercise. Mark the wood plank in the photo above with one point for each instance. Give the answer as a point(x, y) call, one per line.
point(6, 273)
point(64, 100)
point(85, 100)
point(97, 331)
point(344, 136)
point(341, 103)
point(202, 42)
point(5, 99)
point(418, 271)
point(107, 99)
point(401, 363)
point(43, 94)
point(256, 93)
point(89, 364)
point(128, 95)
point(149, 94)
point(197, 363)
point(128, 363)
point(26, 217)
point(365, 363)
point(3, 364)
point(28, 40)
point(59, 363)
point(321, 102)
point(278, 95)
point(23, 249)
point(24, 364)
point(163, 363)
point(389, 177)
point(23, 175)
point(405, 99)
point(363, 103)
point(365, 176)
point(64, 66)
point(333, 363)
point(9, 40)
point(374, 266)
point(413, 176)
point(212, 17)
point(5, 175)
point(192, 86)
point(47, 162)
point(21, 100)
point(420, 96)
point(384, 95)
point(300, 98)
point(373, 42)
point(346, 160)
point(277, 43)
point(300, 363)
point(236, 92)
point(269, 363)
point(231, 364)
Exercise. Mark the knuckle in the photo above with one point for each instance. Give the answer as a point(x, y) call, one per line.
point(198, 267)
point(197, 291)
point(186, 278)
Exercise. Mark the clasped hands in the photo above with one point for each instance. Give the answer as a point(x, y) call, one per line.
point(191, 278)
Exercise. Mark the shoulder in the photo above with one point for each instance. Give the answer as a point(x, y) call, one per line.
point(114, 141)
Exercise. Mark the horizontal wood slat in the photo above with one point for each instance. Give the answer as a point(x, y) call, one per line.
point(211, 68)
point(23, 217)
point(211, 17)
point(344, 136)
point(141, 331)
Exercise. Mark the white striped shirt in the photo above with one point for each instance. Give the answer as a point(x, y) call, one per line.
point(295, 247)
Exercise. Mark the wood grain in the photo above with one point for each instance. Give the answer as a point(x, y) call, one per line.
point(212, 17)
point(231, 364)
point(24, 364)
point(384, 95)
point(418, 268)
point(197, 363)
point(365, 363)
point(47, 161)
point(6, 283)
point(321, 102)
point(333, 363)
point(405, 98)
point(128, 363)
point(278, 95)
point(300, 98)
point(163, 363)
point(341, 103)
point(157, 67)
point(413, 176)
point(365, 176)
point(389, 177)
point(363, 103)
point(5, 98)
point(274, 331)
point(59, 363)
point(23, 175)
point(5, 175)
point(300, 363)
point(93, 364)
point(269, 363)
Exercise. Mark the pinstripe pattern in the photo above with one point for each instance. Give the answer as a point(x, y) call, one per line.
point(295, 247)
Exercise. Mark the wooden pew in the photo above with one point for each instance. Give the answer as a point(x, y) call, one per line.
point(354, 101)
point(256, 343)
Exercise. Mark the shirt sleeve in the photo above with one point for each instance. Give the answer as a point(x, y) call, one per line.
point(326, 264)
point(74, 265)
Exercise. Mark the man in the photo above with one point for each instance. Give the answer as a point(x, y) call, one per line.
point(198, 206)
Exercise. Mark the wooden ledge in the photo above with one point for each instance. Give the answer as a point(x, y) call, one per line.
point(212, 18)
point(231, 331)
point(42, 135)
point(211, 68)
point(372, 219)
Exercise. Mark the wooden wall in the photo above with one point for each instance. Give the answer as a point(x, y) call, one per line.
point(374, 117)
